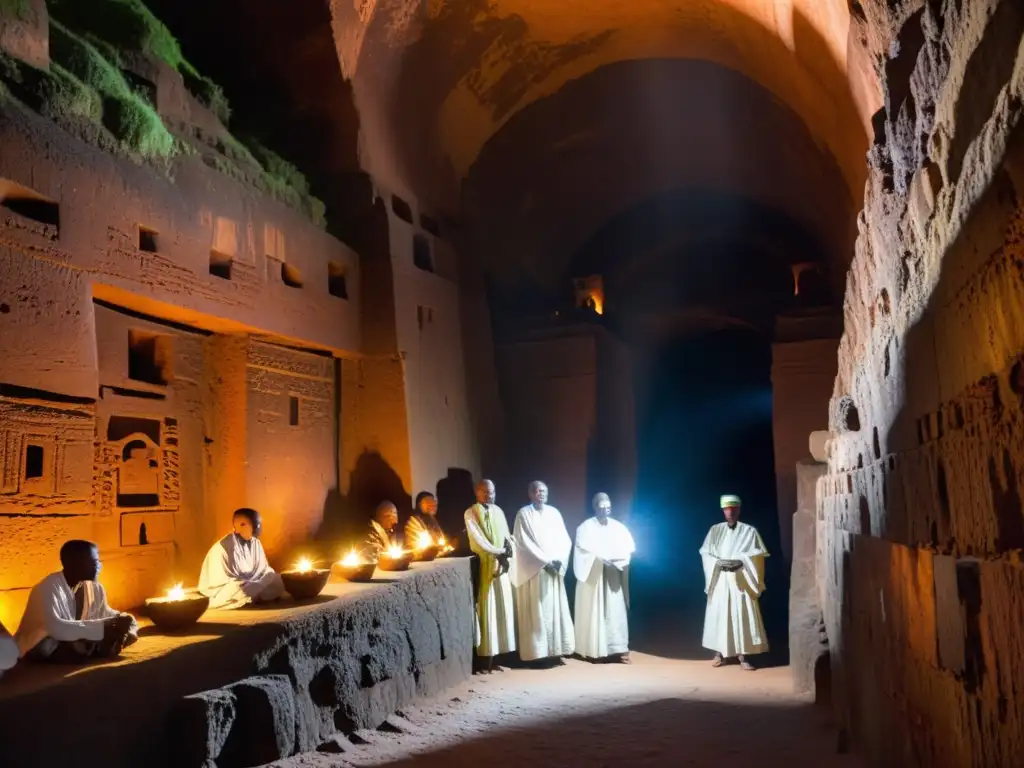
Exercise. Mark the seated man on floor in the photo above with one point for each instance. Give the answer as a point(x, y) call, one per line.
point(383, 533)
point(422, 529)
point(67, 619)
point(8, 650)
point(236, 572)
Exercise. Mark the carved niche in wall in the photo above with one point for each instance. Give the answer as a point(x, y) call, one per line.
point(139, 464)
point(45, 454)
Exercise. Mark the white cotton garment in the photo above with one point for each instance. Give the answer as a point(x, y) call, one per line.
point(51, 616)
point(545, 626)
point(9, 653)
point(601, 562)
point(495, 630)
point(236, 573)
point(732, 620)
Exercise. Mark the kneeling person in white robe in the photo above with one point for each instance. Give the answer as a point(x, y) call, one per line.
point(542, 549)
point(601, 563)
point(733, 556)
point(487, 530)
point(67, 619)
point(236, 572)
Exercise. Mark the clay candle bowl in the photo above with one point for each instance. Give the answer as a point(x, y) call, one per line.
point(426, 550)
point(177, 610)
point(304, 581)
point(395, 559)
point(353, 568)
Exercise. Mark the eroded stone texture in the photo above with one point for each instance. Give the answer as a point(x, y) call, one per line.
point(265, 688)
point(922, 521)
point(808, 643)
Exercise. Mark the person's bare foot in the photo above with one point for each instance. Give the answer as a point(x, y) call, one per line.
point(718, 660)
point(624, 658)
point(746, 665)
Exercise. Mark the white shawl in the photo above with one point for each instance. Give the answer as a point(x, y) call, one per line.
point(743, 544)
point(539, 538)
point(611, 543)
point(232, 572)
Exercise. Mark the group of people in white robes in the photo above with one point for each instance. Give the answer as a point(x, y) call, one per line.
point(522, 603)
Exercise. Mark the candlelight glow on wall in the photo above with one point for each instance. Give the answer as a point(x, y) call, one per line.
point(590, 293)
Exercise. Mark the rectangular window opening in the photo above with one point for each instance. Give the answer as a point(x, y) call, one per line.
point(149, 357)
point(421, 256)
point(29, 204)
point(147, 239)
point(220, 265)
point(401, 208)
point(291, 276)
point(34, 461)
point(293, 411)
point(430, 225)
point(337, 284)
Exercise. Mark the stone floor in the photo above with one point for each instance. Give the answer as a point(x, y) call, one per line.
point(656, 712)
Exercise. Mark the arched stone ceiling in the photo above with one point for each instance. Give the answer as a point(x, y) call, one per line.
point(642, 129)
point(434, 81)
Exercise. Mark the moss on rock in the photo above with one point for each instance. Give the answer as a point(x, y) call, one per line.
point(124, 112)
point(16, 9)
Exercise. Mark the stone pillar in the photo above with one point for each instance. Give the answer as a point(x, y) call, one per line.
point(808, 643)
point(803, 375)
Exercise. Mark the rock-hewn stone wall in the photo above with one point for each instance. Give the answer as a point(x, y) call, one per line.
point(920, 573)
point(259, 692)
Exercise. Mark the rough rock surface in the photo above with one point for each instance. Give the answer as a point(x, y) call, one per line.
point(923, 523)
point(263, 691)
point(808, 645)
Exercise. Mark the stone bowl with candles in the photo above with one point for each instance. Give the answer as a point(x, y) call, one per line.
point(395, 559)
point(352, 567)
point(304, 582)
point(177, 610)
point(426, 550)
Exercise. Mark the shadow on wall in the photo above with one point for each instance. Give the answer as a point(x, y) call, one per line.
point(371, 482)
point(455, 494)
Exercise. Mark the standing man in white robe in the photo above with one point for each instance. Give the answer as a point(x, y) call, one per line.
point(67, 619)
point(600, 561)
point(489, 538)
point(733, 556)
point(542, 549)
point(235, 571)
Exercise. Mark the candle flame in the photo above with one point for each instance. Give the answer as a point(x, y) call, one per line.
point(395, 552)
point(304, 564)
point(177, 592)
point(351, 559)
point(441, 542)
point(424, 540)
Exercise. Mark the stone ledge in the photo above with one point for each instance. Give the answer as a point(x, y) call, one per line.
point(250, 685)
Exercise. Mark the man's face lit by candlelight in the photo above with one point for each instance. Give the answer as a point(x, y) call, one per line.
point(387, 515)
point(428, 505)
point(538, 494)
point(602, 506)
point(247, 524)
point(485, 492)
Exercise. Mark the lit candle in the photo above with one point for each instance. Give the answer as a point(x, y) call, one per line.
point(177, 592)
point(395, 552)
point(351, 559)
point(441, 542)
point(304, 565)
point(424, 541)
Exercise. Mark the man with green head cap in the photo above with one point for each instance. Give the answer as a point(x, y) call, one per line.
point(733, 556)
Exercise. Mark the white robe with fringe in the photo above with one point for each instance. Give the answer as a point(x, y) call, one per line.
point(542, 606)
point(732, 620)
point(236, 573)
point(601, 563)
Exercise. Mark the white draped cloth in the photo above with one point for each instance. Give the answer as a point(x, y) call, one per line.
point(487, 530)
point(236, 573)
point(542, 605)
point(51, 615)
point(732, 621)
point(601, 561)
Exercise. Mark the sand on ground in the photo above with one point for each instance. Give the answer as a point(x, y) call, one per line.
point(654, 712)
